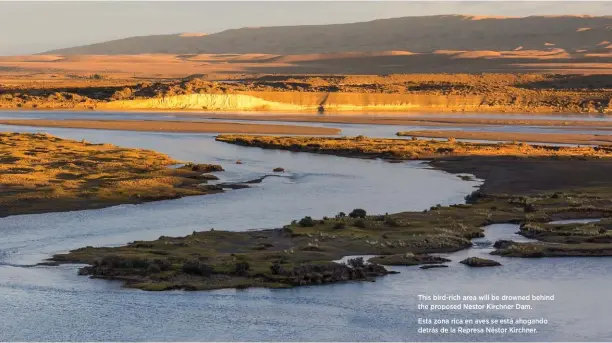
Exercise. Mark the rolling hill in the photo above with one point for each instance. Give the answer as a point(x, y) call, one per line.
point(424, 34)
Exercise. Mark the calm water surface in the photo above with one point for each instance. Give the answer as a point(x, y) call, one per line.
point(53, 303)
point(379, 131)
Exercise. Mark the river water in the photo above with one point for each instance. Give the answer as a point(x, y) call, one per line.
point(55, 304)
point(378, 131)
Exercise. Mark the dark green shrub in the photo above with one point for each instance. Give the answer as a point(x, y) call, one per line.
point(242, 268)
point(197, 268)
point(529, 208)
point(358, 213)
point(306, 222)
point(163, 264)
point(391, 222)
point(276, 268)
point(153, 269)
point(360, 223)
point(473, 197)
point(356, 262)
point(339, 226)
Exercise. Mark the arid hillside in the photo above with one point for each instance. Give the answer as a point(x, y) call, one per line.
point(434, 44)
point(423, 34)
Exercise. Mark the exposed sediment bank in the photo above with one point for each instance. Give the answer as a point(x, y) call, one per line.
point(521, 93)
point(416, 120)
point(337, 102)
point(565, 138)
point(175, 126)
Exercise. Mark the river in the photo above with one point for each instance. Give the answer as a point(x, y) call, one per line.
point(55, 304)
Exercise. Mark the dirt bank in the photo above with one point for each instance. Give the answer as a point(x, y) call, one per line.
point(564, 138)
point(176, 126)
point(521, 93)
point(416, 120)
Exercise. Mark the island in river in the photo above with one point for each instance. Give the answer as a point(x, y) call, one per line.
point(174, 126)
point(526, 184)
point(43, 173)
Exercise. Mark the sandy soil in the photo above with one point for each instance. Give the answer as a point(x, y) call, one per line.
point(516, 137)
point(407, 119)
point(175, 126)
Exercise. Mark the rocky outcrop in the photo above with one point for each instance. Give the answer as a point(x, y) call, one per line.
point(431, 266)
point(479, 262)
point(204, 168)
point(408, 259)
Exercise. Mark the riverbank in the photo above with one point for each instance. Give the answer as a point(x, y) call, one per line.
point(301, 252)
point(559, 138)
point(41, 173)
point(492, 93)
point(406, 149)
point(413, 120)
point(175, 126)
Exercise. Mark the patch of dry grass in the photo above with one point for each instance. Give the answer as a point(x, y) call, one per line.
point(410, 149)
point(43, 173)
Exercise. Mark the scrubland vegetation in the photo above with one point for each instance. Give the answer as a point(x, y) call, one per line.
point(401, 149)
point(42, 173)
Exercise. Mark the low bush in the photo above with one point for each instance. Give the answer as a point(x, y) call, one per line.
point(242, 268)
point(358, 213)
point(339, 226)
point(356, 262)
point(197, 268)
point(306, 222)
point(360, 223)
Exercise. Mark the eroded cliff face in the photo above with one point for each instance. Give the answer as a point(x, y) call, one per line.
point(365, 102)
point(210, 102)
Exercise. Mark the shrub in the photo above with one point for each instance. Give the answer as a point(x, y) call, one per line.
point(306, 222)
point(356, 262)
point(341, 215)
point(153, 269)
point(339, 226)
point(602, 231)
point(125, 93)
point(163, 264)
point(358, 213)
point(197, 268)
point(360, 223)
point(529, 208)
point(473, 197)
point(391, 222)
point(276, 268)
point(242, 268)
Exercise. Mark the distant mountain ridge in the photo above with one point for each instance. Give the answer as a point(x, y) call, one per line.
point(422, 34)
